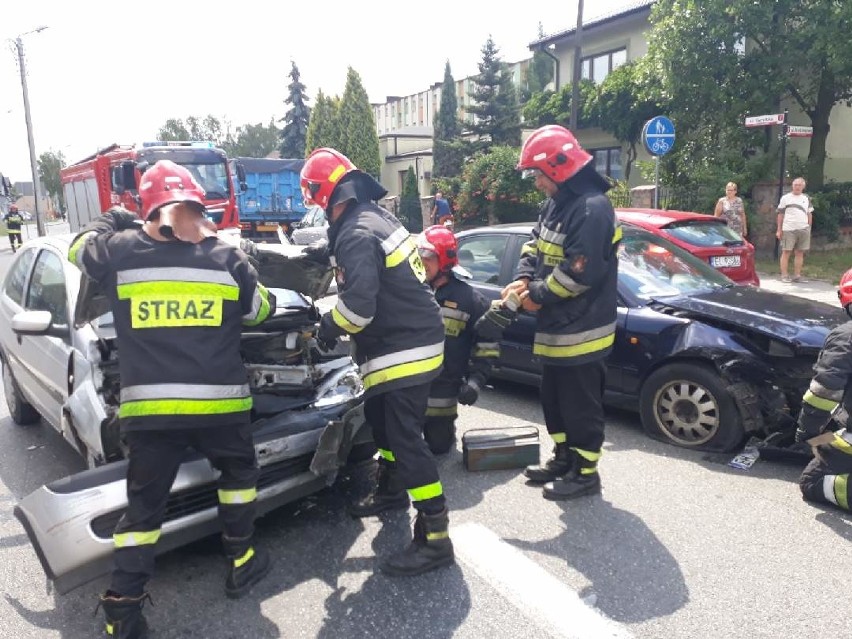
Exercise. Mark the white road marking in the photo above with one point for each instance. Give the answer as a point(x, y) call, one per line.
point(530, 588)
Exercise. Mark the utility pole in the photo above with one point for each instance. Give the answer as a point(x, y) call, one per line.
point(578, 52)
point(33, 166)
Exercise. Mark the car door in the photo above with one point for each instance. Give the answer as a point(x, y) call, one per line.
point(45, 357)
point(11, 303)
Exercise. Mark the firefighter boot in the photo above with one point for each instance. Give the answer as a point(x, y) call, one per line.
point(387, 494)
point(248, 565)
point(583, 480)
point(430, 547)
point(559, 465)
point(124, 619)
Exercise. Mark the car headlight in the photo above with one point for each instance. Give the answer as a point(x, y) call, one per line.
point(339, 387)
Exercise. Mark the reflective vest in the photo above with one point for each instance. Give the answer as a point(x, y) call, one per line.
point(383, 301)
point(14, 222)
point(829, 394)
point(178, 309)
point(572, 265)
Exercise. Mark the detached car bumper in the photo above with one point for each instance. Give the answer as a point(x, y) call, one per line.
point(70, 522)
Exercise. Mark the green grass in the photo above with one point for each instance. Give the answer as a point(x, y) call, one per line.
point(819, 265)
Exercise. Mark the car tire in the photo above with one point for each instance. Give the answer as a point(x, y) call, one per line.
point(688, 405)
point(21, 411)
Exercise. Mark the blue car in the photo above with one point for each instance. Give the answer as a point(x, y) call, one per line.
point(705, 362)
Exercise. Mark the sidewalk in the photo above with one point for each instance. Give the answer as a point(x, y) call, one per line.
point(812, 289)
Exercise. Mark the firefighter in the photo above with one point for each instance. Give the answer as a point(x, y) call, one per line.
point(466, 358)
point(826, 406)
point(385, 305)
point(14, 220)
point(179, 297)
point(568, 275)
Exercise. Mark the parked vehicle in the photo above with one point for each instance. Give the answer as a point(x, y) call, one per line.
point(60, 363)
point(708, 238)
point(111, 175)
point(270, 197)
point(311, 228)
point(704, 361)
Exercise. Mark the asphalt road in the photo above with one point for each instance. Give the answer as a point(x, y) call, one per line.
point(679, 545)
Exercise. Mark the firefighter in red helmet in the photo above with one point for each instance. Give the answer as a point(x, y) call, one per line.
point(14, 220)
point(183, 382)
point(568, 275)
point(384, 304)
point(466, 357)
point(824, 418)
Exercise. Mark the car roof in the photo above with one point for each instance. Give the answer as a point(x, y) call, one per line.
point(660, 217)
point(525, 228)
point(59, 242)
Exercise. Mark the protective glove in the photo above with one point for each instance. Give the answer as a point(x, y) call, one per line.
point(325, 340)
point(498, 318)
point(802, 436)
point(121, 219)
point(469, 391)
point(318, 252)
point(250, 249)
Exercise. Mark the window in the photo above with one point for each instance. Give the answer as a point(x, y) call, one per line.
point(483, 255)
point(47, 288)
point(597, 67)
point(608, 162)
point(18, 277)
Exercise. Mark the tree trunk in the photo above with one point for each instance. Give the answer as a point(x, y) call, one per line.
point(819, 121)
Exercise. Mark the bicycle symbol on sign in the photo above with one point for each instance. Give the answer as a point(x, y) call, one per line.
point(660, 147)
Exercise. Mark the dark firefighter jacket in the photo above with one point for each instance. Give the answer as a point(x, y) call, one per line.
point(464, 354)
point(13, 221)
point(572, 264)
point(831, 387)
point(383, 300)
point(178, 309)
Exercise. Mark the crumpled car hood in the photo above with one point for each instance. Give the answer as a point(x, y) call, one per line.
point(279, 266)
point(799, 321)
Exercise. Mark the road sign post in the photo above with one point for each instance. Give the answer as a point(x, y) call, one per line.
point(658, 135)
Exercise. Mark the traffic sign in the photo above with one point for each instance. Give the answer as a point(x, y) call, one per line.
point(765, 120)
point(658, 135)
point(800, 131)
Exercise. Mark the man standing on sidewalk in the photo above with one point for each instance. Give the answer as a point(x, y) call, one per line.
point(795, 220)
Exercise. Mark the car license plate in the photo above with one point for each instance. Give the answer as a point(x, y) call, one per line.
point(725, 261)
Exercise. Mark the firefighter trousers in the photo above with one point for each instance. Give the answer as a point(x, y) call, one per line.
point(15, 239)
point(572, 401)
point(826, 479)
point(396, 419)
point(155, 457)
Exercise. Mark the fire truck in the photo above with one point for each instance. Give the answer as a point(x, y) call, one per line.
point(111, 176)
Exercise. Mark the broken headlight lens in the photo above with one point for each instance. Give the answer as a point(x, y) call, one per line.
point(339, 387)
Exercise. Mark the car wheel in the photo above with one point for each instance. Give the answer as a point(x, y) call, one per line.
point(21, 412)
point(689, 405)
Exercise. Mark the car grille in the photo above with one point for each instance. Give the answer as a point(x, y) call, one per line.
point(201, 498)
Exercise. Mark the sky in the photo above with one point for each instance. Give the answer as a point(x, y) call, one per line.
point(114, 72)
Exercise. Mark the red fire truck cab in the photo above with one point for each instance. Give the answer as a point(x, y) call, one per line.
point(111, 176)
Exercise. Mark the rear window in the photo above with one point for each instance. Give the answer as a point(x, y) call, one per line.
point(705, 233)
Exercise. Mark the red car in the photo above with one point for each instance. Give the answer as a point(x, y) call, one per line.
point(705, 236)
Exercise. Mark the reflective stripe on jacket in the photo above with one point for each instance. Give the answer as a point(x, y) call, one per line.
point(383, 300)
point(179, 309)
point(572, 265)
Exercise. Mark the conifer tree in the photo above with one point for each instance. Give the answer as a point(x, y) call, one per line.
point(296, 121)
point(358, 136)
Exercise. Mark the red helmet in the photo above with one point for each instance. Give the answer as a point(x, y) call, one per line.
point(322, 171)
point(440, 242)
point(166, 183)
point(13, 208)
point(844, 291)
point(555, 152)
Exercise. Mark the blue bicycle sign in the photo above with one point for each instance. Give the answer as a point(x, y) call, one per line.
point(658, 135)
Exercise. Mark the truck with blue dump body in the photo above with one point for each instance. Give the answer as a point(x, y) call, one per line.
point(269, 197)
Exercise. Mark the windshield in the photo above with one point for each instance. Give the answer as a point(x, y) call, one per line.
point(651, 267)
point(704, 233)
point(213, 178)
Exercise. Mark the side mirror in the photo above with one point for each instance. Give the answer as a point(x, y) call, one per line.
point(38, 323)
point(241, 176)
